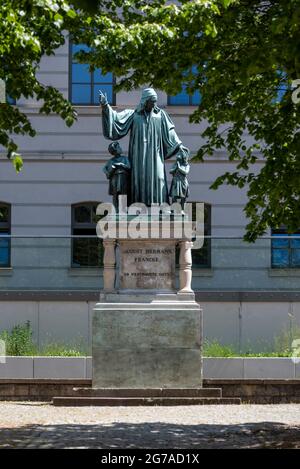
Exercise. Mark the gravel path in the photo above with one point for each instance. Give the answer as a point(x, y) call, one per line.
point(39, 425)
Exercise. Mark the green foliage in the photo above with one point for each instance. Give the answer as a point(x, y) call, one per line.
point(215, 349)
point(280, 348)
point(287, 338)
point(245, 53)
point(55, 349)
point(19, 342)
point(28, 30)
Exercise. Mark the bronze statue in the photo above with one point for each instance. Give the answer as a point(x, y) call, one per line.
point(153, 139)
point(117, 170)
point(179, 190)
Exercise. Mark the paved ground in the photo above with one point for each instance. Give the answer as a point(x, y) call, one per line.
point(39, 425)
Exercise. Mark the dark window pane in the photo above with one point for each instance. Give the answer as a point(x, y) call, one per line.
point(4, 214)
point(81, 73)
point(4, 252)
point(201, 257)
point(295, 243)
point(280, 257)
point(295, 257)
point(87, 252)
point(10, 100)
point(82, 214)
point(180, 98)
point(81, 94)
point(108, 89)
point(196, 98)
point(86, 83)
point(95, 217)
point(278, 242)
point(99, 78)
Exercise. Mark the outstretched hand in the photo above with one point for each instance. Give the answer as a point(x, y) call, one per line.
point(102, 98)
point(183, 155)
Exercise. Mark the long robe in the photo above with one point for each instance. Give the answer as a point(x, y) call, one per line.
point(152, 140)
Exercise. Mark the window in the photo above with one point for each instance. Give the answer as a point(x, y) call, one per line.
point(10, 100)
point(4, 97)
point(185, 99)
point(201, 258)
point(285, 249)
point(84, 84)
point(87, 249)
point(4, 231)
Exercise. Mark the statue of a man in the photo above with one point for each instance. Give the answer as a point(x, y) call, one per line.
point(152, 140)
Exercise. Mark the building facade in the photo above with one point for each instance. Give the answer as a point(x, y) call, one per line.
point(51, 276)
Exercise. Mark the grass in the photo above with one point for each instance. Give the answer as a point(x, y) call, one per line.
point(19, 342)
point(215, 349)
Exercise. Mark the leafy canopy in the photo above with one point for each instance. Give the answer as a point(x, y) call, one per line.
point(28, 30)
point(246, 54)
point(246, 57)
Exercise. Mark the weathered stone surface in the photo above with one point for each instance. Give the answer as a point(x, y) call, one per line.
point(147, 367)
point(148, 392)
point(153, 344)
point(126, 329)
point(147, 264)
point(142, 401)
point(16, 367)
point(269, 368)
point(223, 368)
point(59, 367)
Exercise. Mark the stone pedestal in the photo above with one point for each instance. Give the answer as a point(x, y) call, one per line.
point(145, 333)
point(147, 341)
point(147, 336)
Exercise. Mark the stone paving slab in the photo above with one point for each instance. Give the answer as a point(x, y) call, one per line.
point(40, 425)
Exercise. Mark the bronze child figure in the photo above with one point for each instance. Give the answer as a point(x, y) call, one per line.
point(179, 190)
point(117, 170)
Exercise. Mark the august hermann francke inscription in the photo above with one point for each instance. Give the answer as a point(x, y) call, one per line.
point(147, 267)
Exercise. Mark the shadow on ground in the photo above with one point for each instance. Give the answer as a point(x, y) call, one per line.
point(152, 435)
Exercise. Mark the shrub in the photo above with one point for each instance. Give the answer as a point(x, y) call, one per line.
point(19, 342)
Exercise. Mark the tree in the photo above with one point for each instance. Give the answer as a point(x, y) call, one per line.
point(28, 30)
point(246, 53)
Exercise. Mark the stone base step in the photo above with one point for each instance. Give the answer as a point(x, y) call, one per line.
point(148, 392)
point(142, 401)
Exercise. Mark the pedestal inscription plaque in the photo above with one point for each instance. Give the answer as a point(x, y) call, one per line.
point(147, 265)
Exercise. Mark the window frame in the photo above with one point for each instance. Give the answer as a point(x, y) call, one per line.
point(76, 225)
point(207, 234)
point(289, 248)
point(6, 226)
point(91, 84)
point(190, 97)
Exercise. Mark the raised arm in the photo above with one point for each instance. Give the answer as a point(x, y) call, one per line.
point(115, 124)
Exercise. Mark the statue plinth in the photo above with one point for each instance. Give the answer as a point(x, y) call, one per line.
point(146, 332)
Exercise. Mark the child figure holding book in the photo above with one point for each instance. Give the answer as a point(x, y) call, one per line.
point(117, 171)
